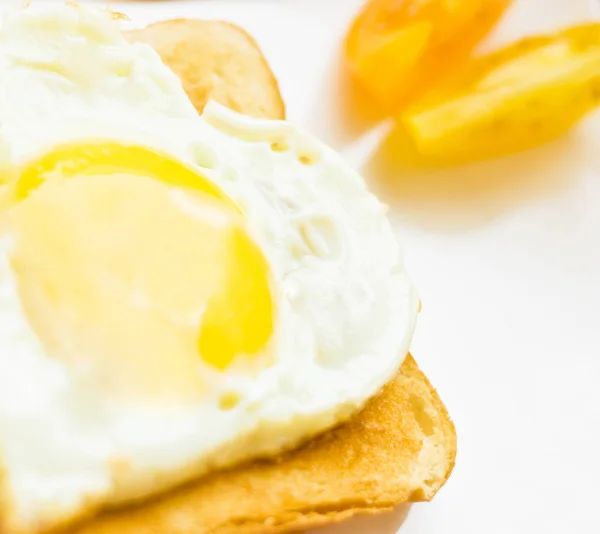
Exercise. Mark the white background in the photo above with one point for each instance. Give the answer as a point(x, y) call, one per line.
point(506, 256)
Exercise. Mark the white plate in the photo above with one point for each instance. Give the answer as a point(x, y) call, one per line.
point(506, 256)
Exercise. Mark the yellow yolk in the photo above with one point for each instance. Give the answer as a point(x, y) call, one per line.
point(135, 274)
point(109, 157)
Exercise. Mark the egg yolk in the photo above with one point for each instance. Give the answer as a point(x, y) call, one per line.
point(134, 265)
point(109, 157)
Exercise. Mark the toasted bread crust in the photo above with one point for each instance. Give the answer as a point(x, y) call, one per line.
point(216, 60)
point(400, 448)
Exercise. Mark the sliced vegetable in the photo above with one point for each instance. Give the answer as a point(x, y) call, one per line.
point(398, 48)
point(516, 98)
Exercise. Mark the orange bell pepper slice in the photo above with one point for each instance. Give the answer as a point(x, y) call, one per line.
point(397, 49)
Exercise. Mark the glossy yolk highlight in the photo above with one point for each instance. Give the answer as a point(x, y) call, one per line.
point(137, 275)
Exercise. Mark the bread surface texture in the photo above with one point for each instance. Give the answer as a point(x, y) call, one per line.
point(216, 60)
point(400, 448)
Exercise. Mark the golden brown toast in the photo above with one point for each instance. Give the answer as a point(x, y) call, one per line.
point(216, 60)
point(400, 448)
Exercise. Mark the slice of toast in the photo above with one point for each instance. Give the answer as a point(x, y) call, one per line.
point(216, 60)
point(400, 448)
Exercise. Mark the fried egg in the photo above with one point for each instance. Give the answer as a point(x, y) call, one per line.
point(178, 293)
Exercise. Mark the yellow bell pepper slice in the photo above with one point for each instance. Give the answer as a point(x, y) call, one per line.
point(513, 99)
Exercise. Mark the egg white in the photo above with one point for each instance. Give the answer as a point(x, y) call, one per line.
point(345, 307)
